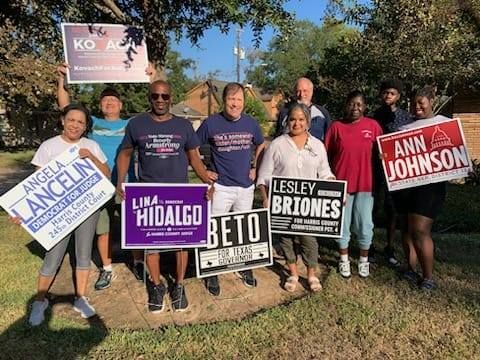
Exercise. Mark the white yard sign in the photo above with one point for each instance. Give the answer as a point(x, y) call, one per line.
point(57, 198)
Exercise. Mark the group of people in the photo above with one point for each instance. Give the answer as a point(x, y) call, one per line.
point(307, 145)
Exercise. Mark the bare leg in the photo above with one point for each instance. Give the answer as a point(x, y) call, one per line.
point(104, 248)
point(407, 244)
point(153, 265)
point(293, 269)
point(43, 284)
point(81, 277)
point(420, 231)
point(182, 262)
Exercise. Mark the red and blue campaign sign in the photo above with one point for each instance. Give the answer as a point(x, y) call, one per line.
point(428, 154)
point(165, 216)
point(103, 53)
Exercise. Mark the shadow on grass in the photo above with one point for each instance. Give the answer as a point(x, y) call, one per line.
point(50, 341)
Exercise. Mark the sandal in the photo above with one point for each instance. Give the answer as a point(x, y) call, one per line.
point(314, 284)
point(291, 283)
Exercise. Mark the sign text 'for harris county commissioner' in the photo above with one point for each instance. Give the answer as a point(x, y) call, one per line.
point(58, 197)
point(306, 206)
point(428, 154)
point(164, 216)
point(238, 241)
point(105, 53)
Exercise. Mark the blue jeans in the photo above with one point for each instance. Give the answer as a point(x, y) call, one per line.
point(358, 218)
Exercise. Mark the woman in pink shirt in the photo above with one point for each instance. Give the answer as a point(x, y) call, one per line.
point(350, 144)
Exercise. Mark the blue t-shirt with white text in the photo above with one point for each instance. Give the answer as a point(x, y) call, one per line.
point(161, 147)
point(232, 145)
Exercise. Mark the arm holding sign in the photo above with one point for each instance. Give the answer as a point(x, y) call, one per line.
point(123, 163)
point(103, 167)
point(199, 168)
point(63, 97)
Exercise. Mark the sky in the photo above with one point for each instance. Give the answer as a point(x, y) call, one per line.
point(215, 50)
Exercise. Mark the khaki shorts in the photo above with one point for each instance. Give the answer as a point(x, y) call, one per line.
point(106, 215)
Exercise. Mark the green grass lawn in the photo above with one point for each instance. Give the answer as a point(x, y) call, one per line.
point(16, 159)
point(378, 318)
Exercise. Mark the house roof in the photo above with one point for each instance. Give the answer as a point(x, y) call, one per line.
point(181, 109)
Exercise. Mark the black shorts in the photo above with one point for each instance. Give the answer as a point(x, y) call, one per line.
point(426, 200)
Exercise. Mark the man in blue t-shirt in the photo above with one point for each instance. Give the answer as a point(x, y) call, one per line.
point(108, 132)
point(235, 141)
point(166, 145)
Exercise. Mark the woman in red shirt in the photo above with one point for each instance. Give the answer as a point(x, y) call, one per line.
point(350, 144)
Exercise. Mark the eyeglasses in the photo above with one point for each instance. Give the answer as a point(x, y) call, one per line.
point(155, 96)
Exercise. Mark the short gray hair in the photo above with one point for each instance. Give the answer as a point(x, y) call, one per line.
point(303, 108)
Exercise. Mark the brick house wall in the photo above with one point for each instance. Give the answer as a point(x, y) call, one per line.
point(466, 106)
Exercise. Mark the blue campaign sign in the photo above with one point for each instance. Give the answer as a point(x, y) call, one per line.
point(57, 198)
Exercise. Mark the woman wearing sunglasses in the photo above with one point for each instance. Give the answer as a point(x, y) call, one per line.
point(296, 154)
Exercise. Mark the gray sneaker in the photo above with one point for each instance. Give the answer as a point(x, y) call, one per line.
point(104, 280)
point(37, 314)
point(82, 306)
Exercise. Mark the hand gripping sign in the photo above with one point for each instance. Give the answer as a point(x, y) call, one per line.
point(57, 198)
point(428, 154)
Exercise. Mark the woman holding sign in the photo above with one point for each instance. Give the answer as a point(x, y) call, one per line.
point(350, 144)
point(76, 123)
point(419, 206)
point(296, 154)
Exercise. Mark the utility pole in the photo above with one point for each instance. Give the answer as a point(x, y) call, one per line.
point(239, 52)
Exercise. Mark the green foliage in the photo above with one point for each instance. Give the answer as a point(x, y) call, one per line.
point(255, 109)
point(295, 56)
point(418, 42)
point(474, 177)
point(30, 40)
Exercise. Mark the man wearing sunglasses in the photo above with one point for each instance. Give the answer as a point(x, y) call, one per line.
point(235, 141)
point(108, 132)
point(166, 145)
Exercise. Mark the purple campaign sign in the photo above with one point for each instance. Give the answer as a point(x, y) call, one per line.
point(164, 216)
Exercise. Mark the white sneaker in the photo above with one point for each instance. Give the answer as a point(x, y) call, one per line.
point(82, 306)
point(344, 269)
point(364, 269)
point(37, 314)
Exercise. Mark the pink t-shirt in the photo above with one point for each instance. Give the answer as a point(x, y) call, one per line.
point(350, 148)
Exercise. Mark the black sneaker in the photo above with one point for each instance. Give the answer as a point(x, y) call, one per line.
point(139, 271)
point(248, 278)
point(212, 285)
point(156, 294)
point(371, 255)
point(390, 256)
point(179, 298)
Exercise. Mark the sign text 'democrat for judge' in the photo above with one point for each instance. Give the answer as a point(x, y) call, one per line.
point(306, 207)
point(238, 241)
point(58, 197)
point(164, 216)
point(424, 155)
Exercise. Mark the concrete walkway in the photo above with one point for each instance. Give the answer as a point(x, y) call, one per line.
point(123, 305)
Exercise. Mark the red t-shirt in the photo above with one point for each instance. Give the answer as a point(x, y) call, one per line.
point(350, 148)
